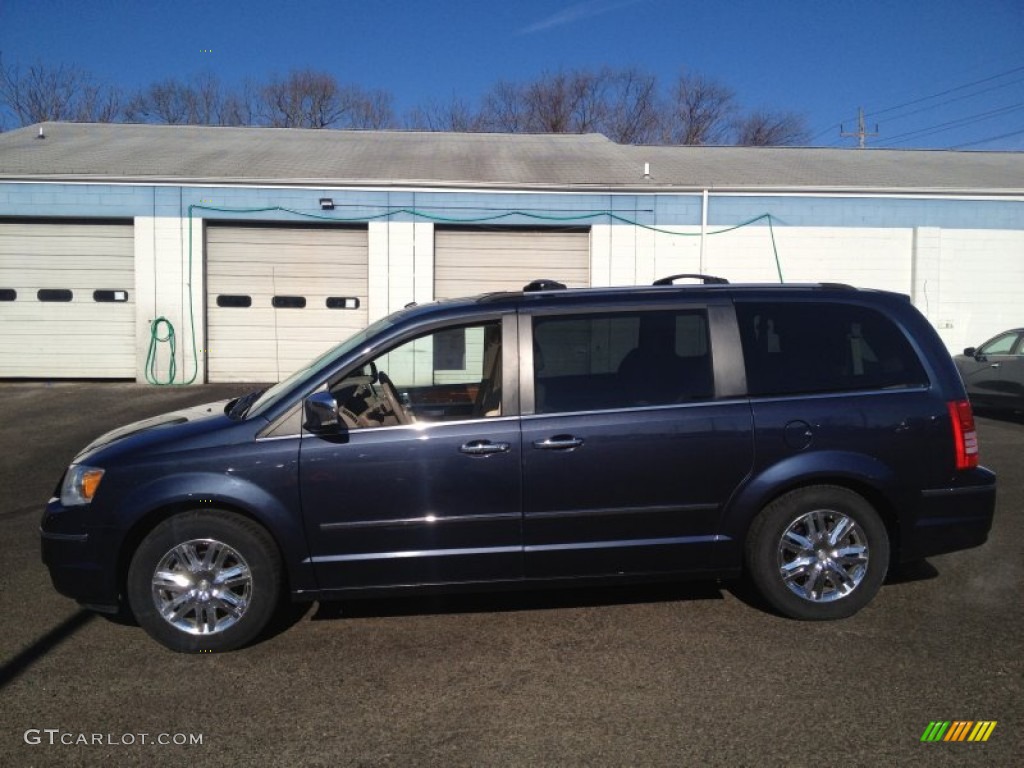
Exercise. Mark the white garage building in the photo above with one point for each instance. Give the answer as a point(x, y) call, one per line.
point(256, 248)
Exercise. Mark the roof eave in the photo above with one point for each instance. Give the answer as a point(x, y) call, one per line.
point(648, 187)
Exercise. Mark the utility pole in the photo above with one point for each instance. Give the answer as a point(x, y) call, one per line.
point(861, 133)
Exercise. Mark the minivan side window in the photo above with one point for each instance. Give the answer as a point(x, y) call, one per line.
point(620, 360)
point(448, 375)
point(808, 347)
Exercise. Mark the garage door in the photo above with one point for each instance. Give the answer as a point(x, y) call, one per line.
point(67, 304)
point(471, 261)
point(277, 297)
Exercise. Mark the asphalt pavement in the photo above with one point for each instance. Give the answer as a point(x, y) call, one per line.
point(674, 675)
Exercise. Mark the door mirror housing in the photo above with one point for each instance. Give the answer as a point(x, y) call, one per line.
point(970, 351)
point(320, 414)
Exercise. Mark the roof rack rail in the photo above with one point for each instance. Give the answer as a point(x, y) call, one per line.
point(706, 279)
point(544, 285)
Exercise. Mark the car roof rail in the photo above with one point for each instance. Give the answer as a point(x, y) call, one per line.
point(544, 285)
point(706, 279)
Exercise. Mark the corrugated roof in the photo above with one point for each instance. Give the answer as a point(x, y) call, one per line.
point(206, 154)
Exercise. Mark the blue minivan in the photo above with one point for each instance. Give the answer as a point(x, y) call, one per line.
point(807, 437)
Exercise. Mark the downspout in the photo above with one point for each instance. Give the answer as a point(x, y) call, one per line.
point(703, 228)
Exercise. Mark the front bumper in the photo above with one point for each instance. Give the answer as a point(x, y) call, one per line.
point(82, 559)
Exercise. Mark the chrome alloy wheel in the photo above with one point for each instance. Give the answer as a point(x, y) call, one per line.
point(823, 556)
point(202, 586)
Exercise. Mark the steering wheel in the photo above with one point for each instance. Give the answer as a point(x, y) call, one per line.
point(393, 399)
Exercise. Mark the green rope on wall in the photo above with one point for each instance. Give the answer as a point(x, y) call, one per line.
point(155, 339)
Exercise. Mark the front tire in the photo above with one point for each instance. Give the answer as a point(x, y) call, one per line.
point(205, 581)
point(818, 553)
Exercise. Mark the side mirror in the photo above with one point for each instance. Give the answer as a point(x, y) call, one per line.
point(969, 352)
point(320, 413)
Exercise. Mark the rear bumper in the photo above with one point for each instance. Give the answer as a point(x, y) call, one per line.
point(954, 518)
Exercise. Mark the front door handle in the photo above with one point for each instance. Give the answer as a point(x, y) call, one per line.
point(483, 448)
point(558, 443)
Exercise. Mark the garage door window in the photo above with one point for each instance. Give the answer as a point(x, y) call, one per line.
point(54, 294)
point(342, 302)
point(234, 300)
point(8, 294)
point(109, 296)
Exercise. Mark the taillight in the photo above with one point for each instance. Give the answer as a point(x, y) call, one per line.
point(965, 436)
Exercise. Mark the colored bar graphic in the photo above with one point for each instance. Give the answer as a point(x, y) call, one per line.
point(982, 730)
point(958, 730)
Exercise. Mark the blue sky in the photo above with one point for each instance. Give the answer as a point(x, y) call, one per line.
point(823, 58)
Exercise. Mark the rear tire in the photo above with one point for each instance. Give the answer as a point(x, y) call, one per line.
point(818, 553)
point(205, 581)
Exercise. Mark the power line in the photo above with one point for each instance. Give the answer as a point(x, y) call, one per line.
point(958, 123)
point(946, 92)
point(958, 98)
point(824, 132)
point(990, 138)
point(949, 125)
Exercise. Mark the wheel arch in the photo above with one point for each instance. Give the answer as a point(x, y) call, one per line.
point(861, 474)
point(283, 527)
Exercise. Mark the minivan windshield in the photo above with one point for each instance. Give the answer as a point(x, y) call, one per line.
point(326, 360)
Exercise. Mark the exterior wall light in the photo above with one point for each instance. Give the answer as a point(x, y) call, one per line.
point(326, 204)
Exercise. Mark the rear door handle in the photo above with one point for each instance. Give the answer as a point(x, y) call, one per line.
point(483, 448)
point(558, 443)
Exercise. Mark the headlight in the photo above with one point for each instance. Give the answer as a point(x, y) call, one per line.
point(80, 485)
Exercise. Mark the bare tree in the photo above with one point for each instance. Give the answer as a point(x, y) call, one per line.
point(699, 111)
point(42, 93)
point(199, 101)
point(632, 113)
point(764, 128)
point(623, 104)
point(310, 99)
point(205, 99)
point(240, 106)
point(573, 101)
point(455, 115)
point(565, 102)
point(504, 108)
point(162, 102)
point(304, 99)
point(99, 104)
point(370, 110)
